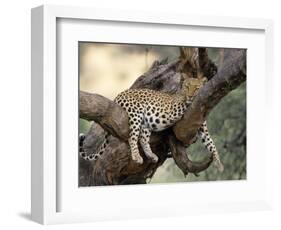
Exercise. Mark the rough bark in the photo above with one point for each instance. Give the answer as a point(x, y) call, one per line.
point(105, 112)
point(116, 166)
point(231, 73)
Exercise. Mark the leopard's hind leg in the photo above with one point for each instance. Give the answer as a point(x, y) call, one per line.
point(144, 141)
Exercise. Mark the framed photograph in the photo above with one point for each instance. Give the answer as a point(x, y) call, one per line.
point(141, 114)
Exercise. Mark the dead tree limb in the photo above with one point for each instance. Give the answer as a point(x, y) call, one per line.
point(116, 166)
point(178, 151)
point(109, 115)
point(231, 73)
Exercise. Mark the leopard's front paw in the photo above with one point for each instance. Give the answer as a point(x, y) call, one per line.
point(219, 166)
point(218, 163)
point(137, 158)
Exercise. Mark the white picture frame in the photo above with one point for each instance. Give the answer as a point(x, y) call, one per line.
point(45, 206)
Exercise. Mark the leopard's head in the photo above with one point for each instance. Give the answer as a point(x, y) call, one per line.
point(191, 87)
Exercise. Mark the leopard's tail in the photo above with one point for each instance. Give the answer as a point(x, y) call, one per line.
point(94, 155)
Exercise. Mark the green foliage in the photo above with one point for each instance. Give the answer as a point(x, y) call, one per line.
point(84, 125)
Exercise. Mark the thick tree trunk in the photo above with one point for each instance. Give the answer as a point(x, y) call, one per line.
point(116, 165)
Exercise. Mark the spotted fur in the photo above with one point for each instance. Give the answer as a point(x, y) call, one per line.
point(209, 144)
point(154, 111)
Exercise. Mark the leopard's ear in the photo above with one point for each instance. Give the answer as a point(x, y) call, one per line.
point(183, 79)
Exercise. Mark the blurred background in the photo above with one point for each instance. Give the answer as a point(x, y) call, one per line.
point(109, 69)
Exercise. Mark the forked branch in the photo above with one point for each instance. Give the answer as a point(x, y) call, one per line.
point(116, 166)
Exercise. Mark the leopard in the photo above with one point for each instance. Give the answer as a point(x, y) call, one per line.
point(154, 111)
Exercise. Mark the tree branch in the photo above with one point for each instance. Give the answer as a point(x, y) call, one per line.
point(230, 75)
point(109, 115)
point(116, 166)
point(178, 151)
